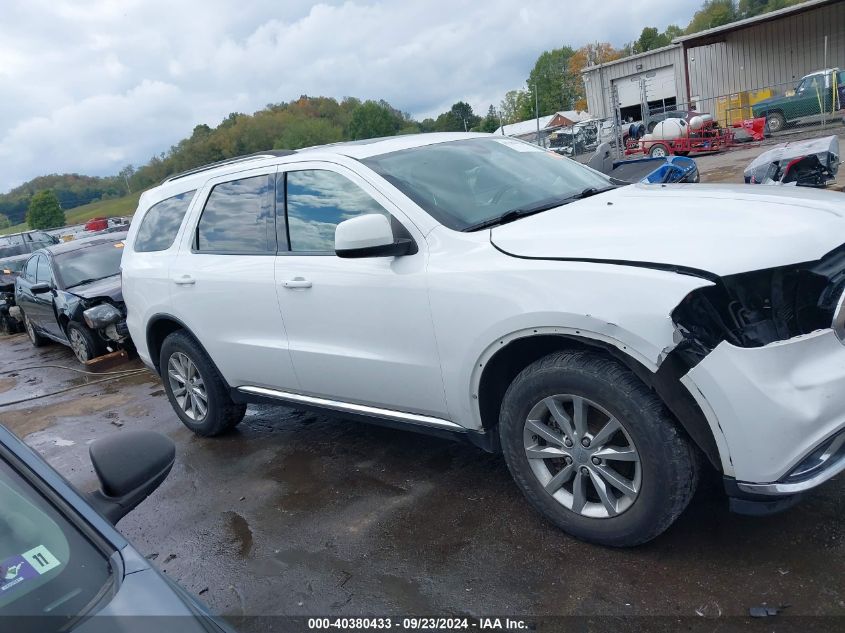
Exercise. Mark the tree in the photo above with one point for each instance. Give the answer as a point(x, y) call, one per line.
point(126, 174)
point(556, 88)
point(591, 55)
point(516, 106)
point(5, 222)
point(372, 119)
point(301, 133)
point(712, 13)
point(459, 118)
point(490, 123)
point(44, 211)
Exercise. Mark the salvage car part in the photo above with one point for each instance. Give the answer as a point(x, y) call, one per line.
point(809, 163)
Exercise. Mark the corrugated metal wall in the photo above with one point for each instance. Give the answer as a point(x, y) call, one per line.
point(772, 54)
point(598, 81)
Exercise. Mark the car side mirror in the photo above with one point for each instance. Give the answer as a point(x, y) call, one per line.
point(40, 288)
point(369, 235)
point(130, 466)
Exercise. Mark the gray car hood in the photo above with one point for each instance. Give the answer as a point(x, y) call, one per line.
point(720, 229)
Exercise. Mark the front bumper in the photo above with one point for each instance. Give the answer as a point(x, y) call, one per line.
point(777, 412)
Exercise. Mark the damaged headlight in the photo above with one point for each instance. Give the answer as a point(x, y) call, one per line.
point(102, 315)
point(760, 307)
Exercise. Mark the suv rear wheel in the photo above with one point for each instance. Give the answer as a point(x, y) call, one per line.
point(594, 450)
point(195, 388)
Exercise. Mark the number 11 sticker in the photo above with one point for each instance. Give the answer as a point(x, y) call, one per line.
point(41, 559)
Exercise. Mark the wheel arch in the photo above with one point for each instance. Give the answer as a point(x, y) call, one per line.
point(159, 327)
point(499, 366)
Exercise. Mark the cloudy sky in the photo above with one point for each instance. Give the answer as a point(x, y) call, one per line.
point(88, 86)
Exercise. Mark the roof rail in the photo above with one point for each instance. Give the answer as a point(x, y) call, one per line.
point(270, 153)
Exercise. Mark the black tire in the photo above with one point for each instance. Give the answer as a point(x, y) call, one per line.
point(775, 122)
point(88, 346)
point(222, 414)
point(34, 337)
point(668, 463)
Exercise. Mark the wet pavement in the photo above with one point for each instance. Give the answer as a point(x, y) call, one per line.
point(295, 513)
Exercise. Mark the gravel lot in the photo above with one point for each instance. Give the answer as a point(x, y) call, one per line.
point(296, 513)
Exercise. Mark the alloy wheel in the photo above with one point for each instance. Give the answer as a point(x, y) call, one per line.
point(78, 345)
point(582, 456)
point(187, 386)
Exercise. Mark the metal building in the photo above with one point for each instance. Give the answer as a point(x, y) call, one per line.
point(767, 53)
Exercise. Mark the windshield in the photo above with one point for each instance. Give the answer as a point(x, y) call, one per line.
point(47, 566)
point(88, 264)
point(468, 182)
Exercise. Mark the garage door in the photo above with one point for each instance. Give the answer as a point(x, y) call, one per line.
point(659, 84)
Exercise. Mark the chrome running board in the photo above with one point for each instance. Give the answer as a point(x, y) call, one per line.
point(360, 409)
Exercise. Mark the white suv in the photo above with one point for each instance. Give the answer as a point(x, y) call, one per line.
point(608, 345)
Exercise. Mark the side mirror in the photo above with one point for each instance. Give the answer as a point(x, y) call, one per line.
point(369, 236)
point(41, 288)
point(130, 466)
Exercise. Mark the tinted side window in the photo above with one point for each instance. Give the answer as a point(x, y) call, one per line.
point(317, 201)
point(161, 223)
point(239, 217)
point(31, 265)
point(44, 273)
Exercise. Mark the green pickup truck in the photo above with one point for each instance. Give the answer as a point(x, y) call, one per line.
point(818, 95)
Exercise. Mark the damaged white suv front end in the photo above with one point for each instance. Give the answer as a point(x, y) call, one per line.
point(760, 345)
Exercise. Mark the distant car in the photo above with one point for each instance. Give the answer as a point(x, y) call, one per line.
point(24, 243)
point(63, 565)
point(819, 92)
point(97, 224)
point(10, 267)
point(71, 293)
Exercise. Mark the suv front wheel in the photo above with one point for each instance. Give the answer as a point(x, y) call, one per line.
point(195, 388)
point(594, 450)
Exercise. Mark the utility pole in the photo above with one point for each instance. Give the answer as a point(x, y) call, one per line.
point(537, 111)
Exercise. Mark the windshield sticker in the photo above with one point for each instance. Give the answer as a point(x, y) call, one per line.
point(14, 572)
point(41, 559)
point(519, 146)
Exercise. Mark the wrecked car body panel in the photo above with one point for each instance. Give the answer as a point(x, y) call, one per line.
point(809, 163)
point(775, 403)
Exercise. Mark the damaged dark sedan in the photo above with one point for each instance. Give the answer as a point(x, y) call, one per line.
point(71, 293)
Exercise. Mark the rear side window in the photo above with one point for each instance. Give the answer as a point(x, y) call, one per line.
point(161, 223)
point(239, 218)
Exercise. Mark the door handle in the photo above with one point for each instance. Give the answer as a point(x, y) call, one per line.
point(297, 282)
point(185, 280)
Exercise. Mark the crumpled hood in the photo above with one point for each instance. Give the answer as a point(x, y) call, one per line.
point(721, 229)
point(109, 287)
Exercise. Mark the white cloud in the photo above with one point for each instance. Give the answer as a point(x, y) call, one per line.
point(90, 85)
